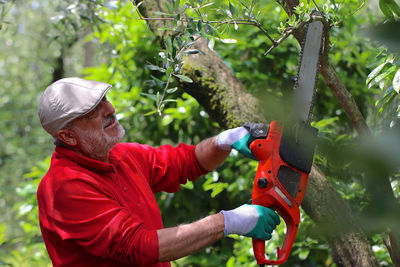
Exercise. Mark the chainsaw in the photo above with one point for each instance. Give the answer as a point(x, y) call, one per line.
point(285, 150)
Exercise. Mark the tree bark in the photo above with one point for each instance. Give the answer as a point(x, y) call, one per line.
point(226, 100)
point(334, 218)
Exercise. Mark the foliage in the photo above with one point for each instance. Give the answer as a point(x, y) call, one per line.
point(386, 72)
point(241, 32)
point(33, 251)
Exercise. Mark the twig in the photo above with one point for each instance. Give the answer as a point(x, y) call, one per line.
point(266, 34)
point(319, 10)
point(359, 8)
point(249, 22)
point(286, 35)
point(220, 23)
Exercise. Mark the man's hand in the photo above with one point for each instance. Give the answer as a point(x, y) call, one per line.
point(238, 138)
point(251, 220)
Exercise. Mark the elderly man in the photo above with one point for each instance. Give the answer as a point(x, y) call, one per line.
point(96, 202)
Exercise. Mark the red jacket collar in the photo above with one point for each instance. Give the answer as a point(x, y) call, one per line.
point(115, 156)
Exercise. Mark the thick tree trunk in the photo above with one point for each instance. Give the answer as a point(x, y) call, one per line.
point(334, 218)
point(217, 89)
point(225, 99)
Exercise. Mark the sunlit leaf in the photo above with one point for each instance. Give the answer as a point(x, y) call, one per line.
point(304, 254)
point(211, 44)
point(184, 78)
point(172, 90)
point(151, 112)
point(385, 8)
point(396, 81)
point(375, 72)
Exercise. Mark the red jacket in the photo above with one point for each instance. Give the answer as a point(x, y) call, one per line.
point(94, 213)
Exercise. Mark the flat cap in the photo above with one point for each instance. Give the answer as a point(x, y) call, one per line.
point(68, 99)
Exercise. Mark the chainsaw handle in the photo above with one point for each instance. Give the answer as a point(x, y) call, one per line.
point(282, 253)
point(278, 186)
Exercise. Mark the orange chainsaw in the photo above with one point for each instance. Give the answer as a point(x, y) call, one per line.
point(285, 151)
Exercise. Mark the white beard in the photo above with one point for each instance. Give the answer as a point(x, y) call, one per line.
point(97, 145)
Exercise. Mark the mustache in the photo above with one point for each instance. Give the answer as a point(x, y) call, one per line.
point(110, 119)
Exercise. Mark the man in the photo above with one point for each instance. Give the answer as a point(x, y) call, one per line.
point(96, 202)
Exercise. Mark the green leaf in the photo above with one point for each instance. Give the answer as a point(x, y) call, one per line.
point(176, 19)
point(382, 78)
point(176, 3)
point(161, 13)
point(157, 81)
point(375, 72)
point(206, 5)
point(168, 42)
point(231, 262)
point(169, 7)
point(154, 67)
point(304, 254)
point(394, 7)
point(151, 112)
point(170, 101)
point(211, 44)
point(189, 185)
point(386, 9)
point(324, 122)
point(390, 97)
point(232, 8)
point(158, 97)
point(172, 90)
point(151, 96)
point(396, 81)
point(199, 25)
point(2, 232)
point(192, 51)
point(184, 78)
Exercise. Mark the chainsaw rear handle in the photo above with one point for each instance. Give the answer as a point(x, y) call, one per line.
point(282, 253)
point(281, 179)
point(291, 216)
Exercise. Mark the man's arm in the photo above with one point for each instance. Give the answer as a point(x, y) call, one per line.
point(209, 155)
point(247, 220)
point(213, 151)
point(182, 240)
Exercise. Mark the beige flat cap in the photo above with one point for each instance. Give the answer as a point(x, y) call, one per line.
point(68, 99)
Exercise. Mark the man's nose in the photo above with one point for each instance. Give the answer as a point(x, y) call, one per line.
point(108, 109)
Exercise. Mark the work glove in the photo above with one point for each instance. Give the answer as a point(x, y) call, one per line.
point(250, 220)
point(240, 138)
point(237, 138)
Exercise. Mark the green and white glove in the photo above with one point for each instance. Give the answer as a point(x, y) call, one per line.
point(237, 138)
point(250, 220)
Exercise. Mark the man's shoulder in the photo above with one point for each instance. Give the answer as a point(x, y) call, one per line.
point(135, 149)
point(124, 146)
point(64, 168)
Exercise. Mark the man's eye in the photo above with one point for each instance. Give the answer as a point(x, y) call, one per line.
point(93, 113)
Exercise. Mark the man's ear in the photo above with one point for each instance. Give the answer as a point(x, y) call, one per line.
point(68, 137)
